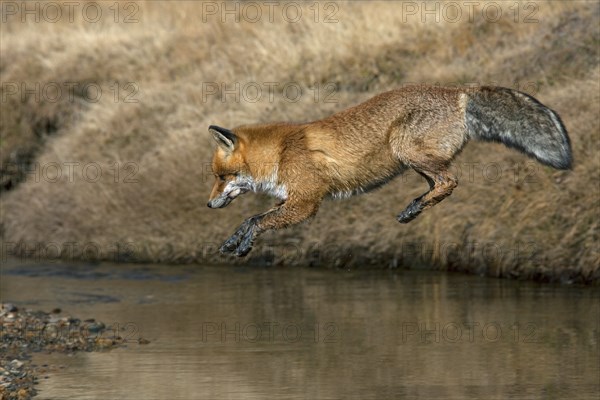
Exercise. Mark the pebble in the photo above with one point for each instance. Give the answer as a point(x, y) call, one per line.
point(95, 327)
point(7, 307)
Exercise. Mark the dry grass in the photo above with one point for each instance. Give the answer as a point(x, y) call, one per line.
point(543, 227)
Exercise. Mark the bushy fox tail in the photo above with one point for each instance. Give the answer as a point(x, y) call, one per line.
point(519, 121)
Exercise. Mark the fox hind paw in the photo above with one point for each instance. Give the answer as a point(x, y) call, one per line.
point(410, 212)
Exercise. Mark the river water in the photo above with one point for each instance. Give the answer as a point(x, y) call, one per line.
point(294, 333)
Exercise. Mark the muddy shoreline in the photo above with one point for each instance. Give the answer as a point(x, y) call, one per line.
point(24, 332)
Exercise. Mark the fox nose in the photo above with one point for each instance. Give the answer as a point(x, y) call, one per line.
point(208, 205)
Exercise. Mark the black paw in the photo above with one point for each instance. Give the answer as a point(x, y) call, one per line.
point(242, 250)
point(410, 213)
point(240, 243)
point(230, 245)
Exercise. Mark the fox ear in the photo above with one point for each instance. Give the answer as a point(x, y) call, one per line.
point(225, 138)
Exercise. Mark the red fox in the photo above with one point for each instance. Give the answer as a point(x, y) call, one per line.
point(366, 146)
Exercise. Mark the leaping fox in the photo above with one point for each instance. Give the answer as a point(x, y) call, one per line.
point(366, 146)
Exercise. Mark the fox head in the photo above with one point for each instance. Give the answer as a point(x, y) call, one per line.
point(229, 167)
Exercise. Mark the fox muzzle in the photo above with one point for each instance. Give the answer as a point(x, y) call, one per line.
point(224, 199)
point(224, 194)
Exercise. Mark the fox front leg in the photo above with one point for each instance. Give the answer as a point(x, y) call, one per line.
point(289, 213)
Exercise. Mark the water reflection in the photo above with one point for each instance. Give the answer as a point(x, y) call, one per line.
point(220, 333)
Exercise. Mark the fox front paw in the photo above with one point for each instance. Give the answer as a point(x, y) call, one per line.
point(240, 243)
point(229, 246)
point(237, 246)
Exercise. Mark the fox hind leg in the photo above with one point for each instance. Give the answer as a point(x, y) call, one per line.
point(441, 183)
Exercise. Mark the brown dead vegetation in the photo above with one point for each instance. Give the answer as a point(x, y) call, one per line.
point(508, 217)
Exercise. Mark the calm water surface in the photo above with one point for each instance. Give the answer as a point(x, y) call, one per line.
point(289, 333)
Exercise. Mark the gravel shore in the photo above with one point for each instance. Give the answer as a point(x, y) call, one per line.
point(23, 332)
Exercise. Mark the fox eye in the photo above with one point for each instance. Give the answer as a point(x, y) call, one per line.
point(221, 178)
